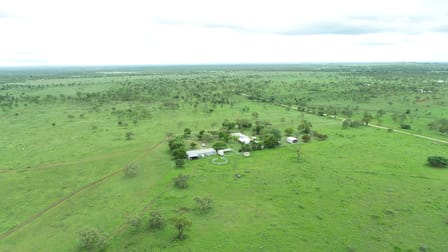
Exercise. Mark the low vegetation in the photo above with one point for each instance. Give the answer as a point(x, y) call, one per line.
point(73, 137)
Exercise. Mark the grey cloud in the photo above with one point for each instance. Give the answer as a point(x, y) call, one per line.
point(331, 28)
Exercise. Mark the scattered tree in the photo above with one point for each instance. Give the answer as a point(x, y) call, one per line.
point(350, 123)
point(130, 170)
point(92, 239)
point(299, 153)
point(306, 138)
point(289, 131)
point(177, 148)
point(204, 203)
point(181, 223)
point(255, 115)
point(180, 163)
point(243, 123)
point(269, 141)
point(156, 220)
point(187, 132)
point(366, 118)
point(181, 181)
point(305, 127)
point(129, 135)
point(320, 137)
point(219, 145)
point(276, 133)
point(135, 222)
point(346, 123)
point(246, 147)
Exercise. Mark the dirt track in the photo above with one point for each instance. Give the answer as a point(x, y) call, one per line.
point(379, 127)
point(59, 164)
point(72, 194)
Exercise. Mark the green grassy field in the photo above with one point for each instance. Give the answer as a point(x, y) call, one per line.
point(362, 189)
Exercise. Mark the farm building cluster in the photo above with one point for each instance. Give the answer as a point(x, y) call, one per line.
point(243, 139)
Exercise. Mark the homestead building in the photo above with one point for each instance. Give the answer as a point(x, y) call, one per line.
point(195, 154)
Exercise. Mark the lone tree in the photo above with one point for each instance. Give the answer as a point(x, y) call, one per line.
point(305, 127)
point(181, 223)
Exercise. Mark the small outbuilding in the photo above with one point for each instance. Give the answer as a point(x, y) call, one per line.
point(292, 140)
point(195, 154)
point(242, 138)
point(222, 152)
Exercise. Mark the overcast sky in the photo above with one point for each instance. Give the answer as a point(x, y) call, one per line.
point(97, 32)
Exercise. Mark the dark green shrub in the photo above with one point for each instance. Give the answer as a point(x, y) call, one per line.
point(438, 161)
point(405, 126)
point(320, 137)
point(306, 138)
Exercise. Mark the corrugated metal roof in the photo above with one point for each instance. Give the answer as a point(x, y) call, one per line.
point(193, 153)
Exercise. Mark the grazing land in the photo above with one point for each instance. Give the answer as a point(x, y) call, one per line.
point(89, 148)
